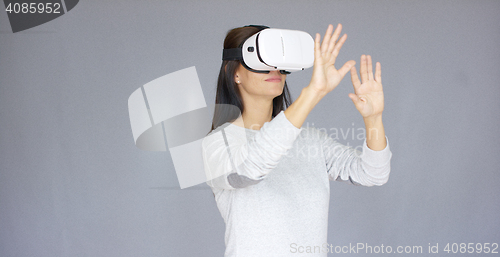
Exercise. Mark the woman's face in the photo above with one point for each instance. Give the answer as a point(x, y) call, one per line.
point(259, 84)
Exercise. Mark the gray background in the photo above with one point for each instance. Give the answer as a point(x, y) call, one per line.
point(72, 182)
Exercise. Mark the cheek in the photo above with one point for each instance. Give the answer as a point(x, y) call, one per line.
point(252, 87)
point(254, 84)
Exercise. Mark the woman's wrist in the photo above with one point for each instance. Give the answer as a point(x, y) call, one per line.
point(298, 111)
point(375, 133)
point(373, 120)
point(313, 95)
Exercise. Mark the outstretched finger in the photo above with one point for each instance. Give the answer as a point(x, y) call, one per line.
point(378, 72)
point(326, 39)
point(334, 38)
point(354, 78)
point(317, 50)
point(369, 67)
point(338, 46)
point(362, 69)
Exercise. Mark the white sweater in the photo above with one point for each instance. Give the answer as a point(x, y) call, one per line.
point(272, 185)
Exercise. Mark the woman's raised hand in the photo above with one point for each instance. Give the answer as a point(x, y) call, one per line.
point(368, 95)
point(325, 77)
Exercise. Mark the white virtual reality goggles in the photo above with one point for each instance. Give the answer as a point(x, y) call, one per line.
point(274, 49)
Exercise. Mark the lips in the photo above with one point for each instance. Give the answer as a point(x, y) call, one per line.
point(274, 79)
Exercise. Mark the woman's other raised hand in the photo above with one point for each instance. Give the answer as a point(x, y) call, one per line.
point(368, 95)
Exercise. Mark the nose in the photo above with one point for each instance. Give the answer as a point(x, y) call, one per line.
point(275, 72)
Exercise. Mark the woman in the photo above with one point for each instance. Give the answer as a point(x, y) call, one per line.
point(269, 176)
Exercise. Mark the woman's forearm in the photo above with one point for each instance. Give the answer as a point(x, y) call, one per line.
point(375, 134)
point(297, 112)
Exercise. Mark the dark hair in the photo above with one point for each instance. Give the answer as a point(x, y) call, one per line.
point(227, 90)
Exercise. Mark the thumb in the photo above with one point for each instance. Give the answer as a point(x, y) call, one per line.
point(346, 67)
point(355, 99)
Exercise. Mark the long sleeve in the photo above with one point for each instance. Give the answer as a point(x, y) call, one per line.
point(366, 168)
point(234, 161)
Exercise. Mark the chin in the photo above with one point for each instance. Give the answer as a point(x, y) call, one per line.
point(277, 93)
point(277, 88)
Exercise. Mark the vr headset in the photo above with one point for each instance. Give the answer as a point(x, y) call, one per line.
point(274, 49)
